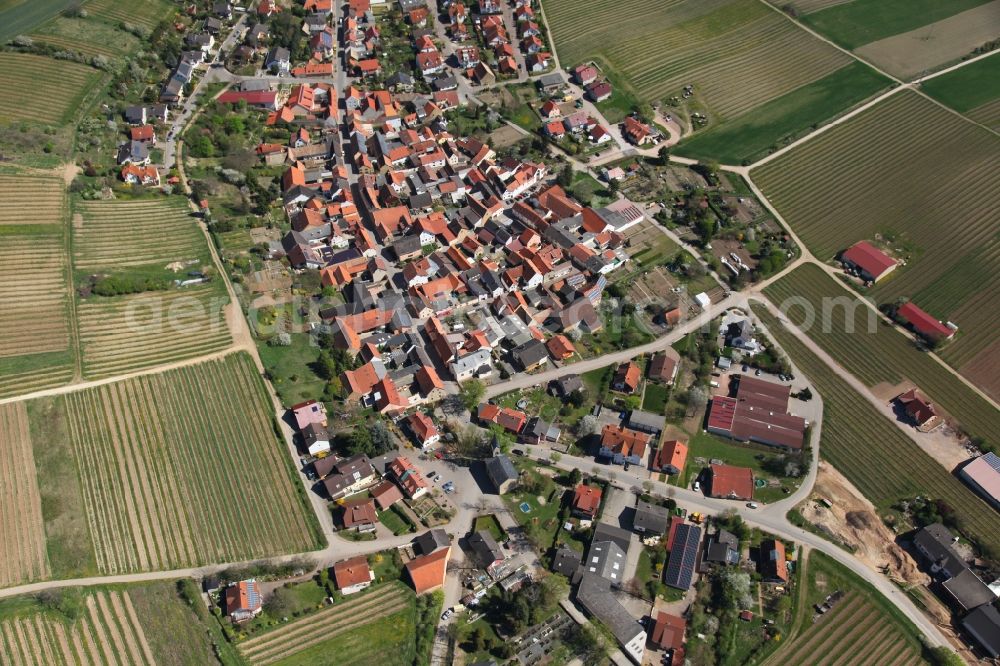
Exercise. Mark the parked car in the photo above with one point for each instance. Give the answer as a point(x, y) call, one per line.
point(751, 505)
point(445, 615)
point(697, 486)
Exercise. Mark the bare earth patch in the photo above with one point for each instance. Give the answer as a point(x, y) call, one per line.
point(909, 54)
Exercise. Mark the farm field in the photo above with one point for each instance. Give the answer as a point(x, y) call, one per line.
point(44, 197)
point(973, 90)
point(905, 184)
point(87, 36)
point(146, 13)
point(863, 628)
point(738, 54)
point(114, 626)
point(22, 535)
point(882, 356)
point(128, 333)
point(858, 440)
point(33, 292)
point(19, 76)
point(368, 625)
point(112, 234)
point(907, 37)
point(783, 119)
point(19, 17)
point(173, 474)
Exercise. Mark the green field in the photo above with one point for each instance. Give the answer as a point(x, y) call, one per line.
point(785, 118)
point(374, 626)
point(875, 455)
point(89, 37)
point(883, 355)
point(863, 627)
point(933, 195)
point(140, 624)
point(20, 74)
point(146, 13)
point(738, 54)
point(175, 469)
point(18, 17)
point(860, 22)
point(973, 90)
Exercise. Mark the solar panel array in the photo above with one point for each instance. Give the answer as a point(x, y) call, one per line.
point(683, 555)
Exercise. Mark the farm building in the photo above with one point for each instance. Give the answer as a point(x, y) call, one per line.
point(963, 587)
point(983, 476)
point(772, 565)
point(595, 596)
point(870, 263)
point(757, 413)
point(243, 600)
point(353, 575)
point(919, 410)
point(923, 323)
point(670, 457)
point(683, 556)
point(983, 624)
point(729, 482)
point(586, 501)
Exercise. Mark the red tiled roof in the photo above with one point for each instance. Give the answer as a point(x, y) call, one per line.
point(427, 572)
point(673, 453)
point(627, 441)
point(917, 406)
point(731, 482)
point(560, 347)
point(869, 259)
point(922, 322)
point(352, 572)
point(361, 512)
point(587, 499)
point(668, 631)
point(386, 494)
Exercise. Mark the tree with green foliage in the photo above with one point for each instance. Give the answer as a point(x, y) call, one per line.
point(565, 178)
point(471, 393)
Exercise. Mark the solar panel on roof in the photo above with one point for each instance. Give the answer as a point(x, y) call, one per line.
point(683, 555)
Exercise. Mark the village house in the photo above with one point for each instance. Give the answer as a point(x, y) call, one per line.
point(243, 600)
point(352, 575)
point(586, 501)
point(627, 378)
point(623, 445)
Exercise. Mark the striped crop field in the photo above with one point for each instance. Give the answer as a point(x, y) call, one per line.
point(315, 631)
point(881, 356)
point(31, 199)
point(854, 633)
point(87, 36)
point(934, 194)
point(128, 333)
point(33, 294)
point(973, 90)
point(108, 631)
point(739, 54)
point(22, 534)
point(905, 38)
point(24, 100)
point(184, 468)
point(858, 439)
point(114, 234)
point(146, 13)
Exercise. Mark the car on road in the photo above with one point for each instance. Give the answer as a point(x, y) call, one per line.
point(432, 475)
point(757, 372)
point(752, 505)
point(449, 487)
point(445, 615)
point(697, 486)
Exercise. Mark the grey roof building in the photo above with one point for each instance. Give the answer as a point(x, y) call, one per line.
point(486, 549)
point(934, 543)
point(983, 624)
point(566, 561)
point(723, 548)
point(430, 541)
point(530, 355)
point(594, 594)
point(646, 422)
point(501, 472)
point(650, 518)
point(567, 384)
point(968, 590)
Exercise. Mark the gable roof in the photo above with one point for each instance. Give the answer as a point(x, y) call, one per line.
point(922, 322)
point(673, 453)
point(587, 498)
point(427, 572)
point(651, 517)
point(354, 571)
point(683, 555)
point(869, 259)
point(731, 482)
